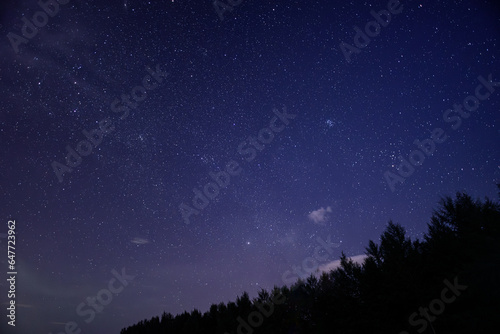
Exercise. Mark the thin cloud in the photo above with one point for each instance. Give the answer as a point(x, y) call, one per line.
point(336, 264)
point(319, 216)
point(25, 305)
point(139, 241)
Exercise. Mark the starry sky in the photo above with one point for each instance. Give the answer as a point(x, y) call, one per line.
point(179, 153)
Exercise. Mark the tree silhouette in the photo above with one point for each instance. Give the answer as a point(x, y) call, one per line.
point(398, 278)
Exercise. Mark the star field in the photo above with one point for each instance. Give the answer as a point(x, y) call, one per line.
point(218, 85)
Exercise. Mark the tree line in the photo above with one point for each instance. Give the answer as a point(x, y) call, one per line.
point(445, 283)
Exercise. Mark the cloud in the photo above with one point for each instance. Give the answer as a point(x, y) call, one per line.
point(139, 241)
point(336, 264)
point(24, 305)
point(319, 216)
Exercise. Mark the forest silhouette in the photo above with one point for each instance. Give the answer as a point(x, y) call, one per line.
point(445, 283)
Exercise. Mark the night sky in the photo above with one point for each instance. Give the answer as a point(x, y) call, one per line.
point(205, 157)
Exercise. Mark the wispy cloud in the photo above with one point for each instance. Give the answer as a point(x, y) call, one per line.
point(336, 264)
point(139, 241)
point(25, 305)
point(319, 216)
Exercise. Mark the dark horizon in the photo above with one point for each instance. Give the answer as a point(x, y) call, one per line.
point(392, 289)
